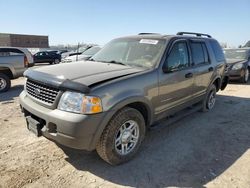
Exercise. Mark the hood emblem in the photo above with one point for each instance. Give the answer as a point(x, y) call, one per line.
point(37, 91)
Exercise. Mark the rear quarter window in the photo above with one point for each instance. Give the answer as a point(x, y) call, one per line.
point(219, 55)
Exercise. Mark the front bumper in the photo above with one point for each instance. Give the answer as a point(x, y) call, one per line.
point(72, 130)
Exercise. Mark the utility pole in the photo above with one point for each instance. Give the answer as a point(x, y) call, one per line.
point(78, 46)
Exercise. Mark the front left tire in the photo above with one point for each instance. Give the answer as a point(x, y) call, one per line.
point(122, 137)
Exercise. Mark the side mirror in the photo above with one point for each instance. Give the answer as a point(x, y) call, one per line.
point(166, 69)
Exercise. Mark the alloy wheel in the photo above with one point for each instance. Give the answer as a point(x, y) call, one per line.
point(127, 137)
point(3, 84)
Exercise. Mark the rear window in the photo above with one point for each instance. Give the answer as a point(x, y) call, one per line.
point(219, 55)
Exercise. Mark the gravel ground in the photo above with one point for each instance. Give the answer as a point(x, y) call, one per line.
point(202, 150)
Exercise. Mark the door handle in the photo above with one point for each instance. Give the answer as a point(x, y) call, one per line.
point(210, 69)
point(189, 75)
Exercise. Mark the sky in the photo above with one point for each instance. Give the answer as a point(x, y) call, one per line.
point(92, 21)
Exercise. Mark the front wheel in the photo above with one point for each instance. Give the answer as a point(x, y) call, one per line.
point(4, 83)
point(122, 137)
point(210, 99)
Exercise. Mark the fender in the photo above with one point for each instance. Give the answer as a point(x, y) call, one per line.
point(110, 113)
point(10, 67)
point(214, 80)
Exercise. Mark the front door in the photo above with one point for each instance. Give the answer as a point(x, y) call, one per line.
point(175, 84)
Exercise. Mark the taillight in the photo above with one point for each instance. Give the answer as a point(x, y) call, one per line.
point(26, 63)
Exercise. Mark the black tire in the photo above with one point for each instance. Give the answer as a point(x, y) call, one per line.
point(4, 83)
point(206, 106)
point(245, 78)
point(106, 146)
point(56, 61)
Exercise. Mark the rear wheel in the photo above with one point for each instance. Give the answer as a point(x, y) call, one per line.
point(122, 137)
point(56, 61)
point(210, 99)
point(4, 83)
point(245, 78)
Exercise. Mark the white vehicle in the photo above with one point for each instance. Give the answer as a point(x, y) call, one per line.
point(83, 56)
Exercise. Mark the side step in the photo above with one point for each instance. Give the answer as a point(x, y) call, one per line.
point(176, 117)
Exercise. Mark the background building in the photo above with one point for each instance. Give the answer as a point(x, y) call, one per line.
point(25, 41)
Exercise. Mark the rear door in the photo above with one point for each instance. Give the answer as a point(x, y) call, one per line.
point(201, 63)
point(47, 57)
point(176, 85)
point(39, 57)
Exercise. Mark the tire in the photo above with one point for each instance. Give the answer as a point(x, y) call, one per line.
point(56, 61)
point(210, 99)
point(117, 134)
point(4, 83)
point(245, 78)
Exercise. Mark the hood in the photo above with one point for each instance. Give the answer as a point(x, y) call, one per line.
point(234, 61)
point(83, 72)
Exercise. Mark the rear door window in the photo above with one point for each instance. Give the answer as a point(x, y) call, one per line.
point(199, 53)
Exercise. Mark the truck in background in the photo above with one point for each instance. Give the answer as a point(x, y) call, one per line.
point(13, 62)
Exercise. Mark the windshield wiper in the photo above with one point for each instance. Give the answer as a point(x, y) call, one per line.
point(114, 62)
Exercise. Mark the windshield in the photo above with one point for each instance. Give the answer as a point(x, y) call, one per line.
point(132, 52)
point(82, 49)
point(235, 54)
point(91, 51)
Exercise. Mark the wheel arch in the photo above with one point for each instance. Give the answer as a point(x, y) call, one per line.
point(137, 103)
point(7, 71)
point(217, 81)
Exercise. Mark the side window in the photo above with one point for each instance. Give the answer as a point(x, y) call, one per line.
point(219, 55)
point(204, 47)
point(178, 57)
point(199, 53)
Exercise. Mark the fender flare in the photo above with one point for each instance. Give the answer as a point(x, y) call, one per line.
point(11, 68)
point(118, 106)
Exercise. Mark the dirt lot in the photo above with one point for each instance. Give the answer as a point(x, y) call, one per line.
point(203, 150)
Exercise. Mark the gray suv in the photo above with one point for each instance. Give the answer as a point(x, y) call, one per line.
point(108, 102)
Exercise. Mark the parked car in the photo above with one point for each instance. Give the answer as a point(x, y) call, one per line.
point(62, 51)
point(13, 63)
point(83, 56)
point(76, 52)
point(52, 57)
point(247, 44)
point(129, 85)
point(238, 63)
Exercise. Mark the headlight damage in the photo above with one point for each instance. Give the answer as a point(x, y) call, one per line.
point(79, 103)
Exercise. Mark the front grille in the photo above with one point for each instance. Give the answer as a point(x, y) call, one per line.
point(42, 92)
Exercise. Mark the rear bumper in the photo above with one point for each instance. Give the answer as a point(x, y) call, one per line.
point(72, 130)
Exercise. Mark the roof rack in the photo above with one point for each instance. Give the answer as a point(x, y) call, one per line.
point(148, 34)
point(191, 33)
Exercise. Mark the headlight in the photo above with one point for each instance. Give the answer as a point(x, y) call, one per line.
point(80, 103)
point(237, 66)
